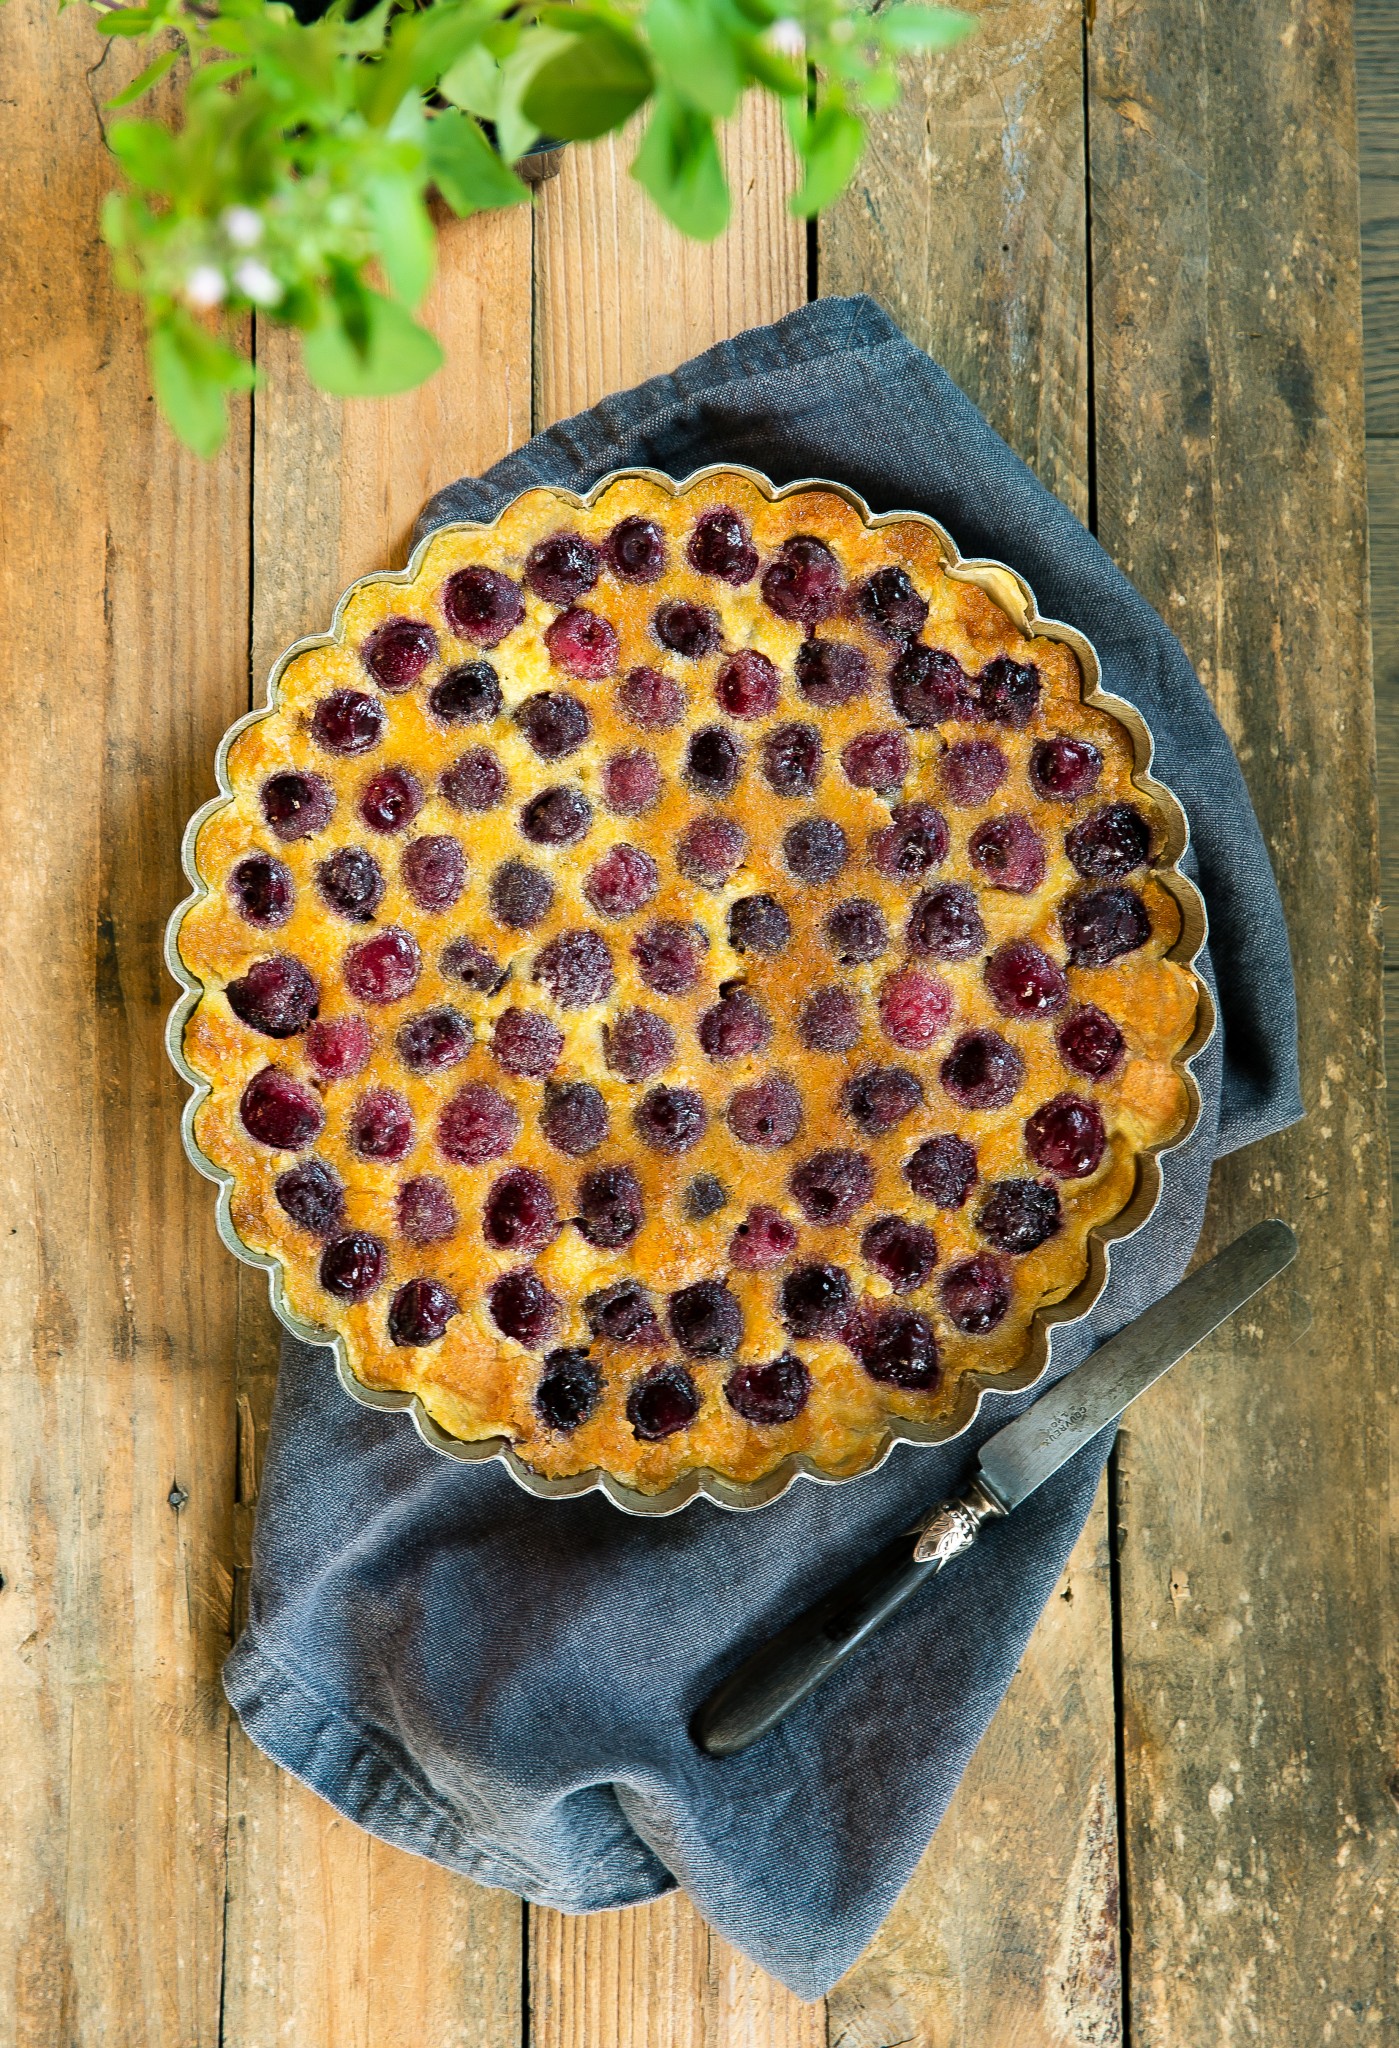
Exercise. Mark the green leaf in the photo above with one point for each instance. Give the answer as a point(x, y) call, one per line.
point(402, 233)
point(192, 373)
point(594, 84)
point(678, 163)
point(778, 73)
point(910, 27)
point(128, 21)
point(147, 153)
point(473, 82)
point(390, 352)
point(698, 54)
point(465, 169)
point(144, 80)
point(829, 144)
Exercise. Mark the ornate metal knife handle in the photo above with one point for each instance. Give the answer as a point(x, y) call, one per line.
point(955, 1525)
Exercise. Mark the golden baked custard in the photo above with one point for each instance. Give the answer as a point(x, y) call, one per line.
point(682, 977)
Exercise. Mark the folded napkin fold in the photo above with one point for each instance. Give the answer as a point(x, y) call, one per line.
point(503, 1684)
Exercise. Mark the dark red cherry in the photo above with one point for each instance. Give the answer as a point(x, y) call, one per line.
point(764, 1238)
point(767, 1114)
point(575, 1118)
point(475, 782)
point(855, 931)
point(914, 1008)
point(830, 1020)
point(668, 956)
point(709, 850)
point(704, 1197)
point(467, 695)
point(476, 1125)
point(583, 644)
point(791, 759)
point(520, 895)
point(734, 1027)
point(769, 1394)
point(721, 546)
point(972, 771)
point(385, 968)
point(689, 630)
point(975, 1294)
point(943, 1170)
point(1066, 1137)
point(831, 1186)
point(896, 1346)
point(339, 1047)
point(877, 760)
point(297, 804)
point(1019, 1215)
point(945, 923)
point(929, 687)
point(420, 1312)
point(575, 968)
point(1008, 692)
point(802, 581)
point(877, 1100)
point(816, 1300)
point(1009, 852)
point(623, 882)
point(262, 890)
point(556, 817)
point(472, 965)
point(527, 1043)
point(890, 605)
point(522, 1307)
point(631, 782)
point(1063, 770)
point(433, 871)
point(815, 850)
point(569, 1390)
point(1025, 982)
point(982, 1071)
point(831, 672)
point(353, 1265)
point(706, 1320)
point(712, 761)
point(901, 1252)
point(397, 652)
point(650, 700)
point(425, 1210)
point(380, 1126)
point(277, 996)
point(636, 550)
point(637, 1044)
point(1090, 1043)
point(481, 605)
point(747, 686)
point(434, 1040)
point(622, 1314)
point(610, 1208)
point(312, 1194)
point(664, 1401)
point(554, 723)
point(1110, 841)
point(279, 1112)
point(563, 567)
point(1100, 925)
point(520, 1214)
point(758, 924)
point(391, 800)
point(915, 840)
point(670, 1120)
point(351, 883)
point(348, 722)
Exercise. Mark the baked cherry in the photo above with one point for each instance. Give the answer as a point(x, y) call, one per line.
point(297, 804)
point(610, 1208)
point(391, 800)
point(972, 771)
point(855, 931)
point(583, 644)
point(665, 1400)
point(467, 695)
point(982, 1071)
point(473, 966)
point(747, 686)
point(831, 1186)
point(1100, 925)
point(704, 1197)
point(890, 605)
point(279, 1112)
point(631, 782)
point(764, 1238)
point(623, 882)
point(769, 1394)
point(622, 1314)
point(476, 1125)
point(527, 1043)
point(434, 871)
point(522, 1307)
point(262, 890)
point(1024, 982)
point(668, 956)
point(1019, 1215)
point(877, 760)
point(520, 895)
point(706, 1320)
point(380, 1126)
point(636, 550)
point(575, 968)
point(929, 687)
point(420, 1312)
point(830, 1020)
point(569, 1390)
point(877, 1100)
point(277, 996)
point(520, 1214)
point(556, 817)
point(943, 1170)
point(425, 1211)
point(831, 672)
point(434, 1040)
point(689, 630)
point(802, 581)
point(1090, 1043)
point(721, 546)
point(562, 567)
point(815, 850)
point(554, 723)
point(312, 1194)
point(758, 924)
point(397, 652)
point(1008, 692)
point(351, 883)
point(670, 1120)
point(637, 1044)
point(791, 758)
point(338, 1047)
point(945, 923)
point(712, 762)
point(1063, 770)
point(914, 1008)
point(475, 781)
point(353, 1265)
point(709, 850)
point(901, 1252)
point(975, 1294)
point(1066, 1137)
point(915, 840)
point(575, 1118)
point(482, 606)
point(651, 700)
point(734, 1026)
point(1109, 841)
point(897, 1347)
point(769, 1113)
point(348, 722)
point(816, 1300)
point(1009, 852)
point(385, 968)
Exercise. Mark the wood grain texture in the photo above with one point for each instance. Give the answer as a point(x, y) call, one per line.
point(968, 222)
point(335, 1940)
point(621, 296)
point(1257, 1646)
point(1377, 94)
point(118, 1315)
point(1382, 467)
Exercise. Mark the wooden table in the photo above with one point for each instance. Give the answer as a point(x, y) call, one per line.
point(1133, 238)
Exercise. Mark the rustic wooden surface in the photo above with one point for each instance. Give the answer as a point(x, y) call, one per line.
point(1135, 244)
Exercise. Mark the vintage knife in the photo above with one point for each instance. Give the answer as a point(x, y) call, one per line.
point(1010, 1465)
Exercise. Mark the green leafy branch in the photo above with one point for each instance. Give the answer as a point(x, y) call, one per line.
point(293, 179)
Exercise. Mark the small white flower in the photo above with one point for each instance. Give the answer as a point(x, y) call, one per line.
point(242, 225)
point(256, 282)
point(205, 286)
point(786, 37)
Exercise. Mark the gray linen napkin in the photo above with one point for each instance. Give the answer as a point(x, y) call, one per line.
point(503, 1684)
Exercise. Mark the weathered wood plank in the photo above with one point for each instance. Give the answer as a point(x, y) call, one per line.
point(1256, 1610)
point(1377, 109)
point(333, 1937)
point(1382, 465)
point(123, 583)
point(967, 221)
point(619, 297)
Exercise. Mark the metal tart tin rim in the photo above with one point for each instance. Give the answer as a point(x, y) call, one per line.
point(1010, 591)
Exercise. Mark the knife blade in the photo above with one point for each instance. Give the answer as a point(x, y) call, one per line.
point(1010, 1466)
